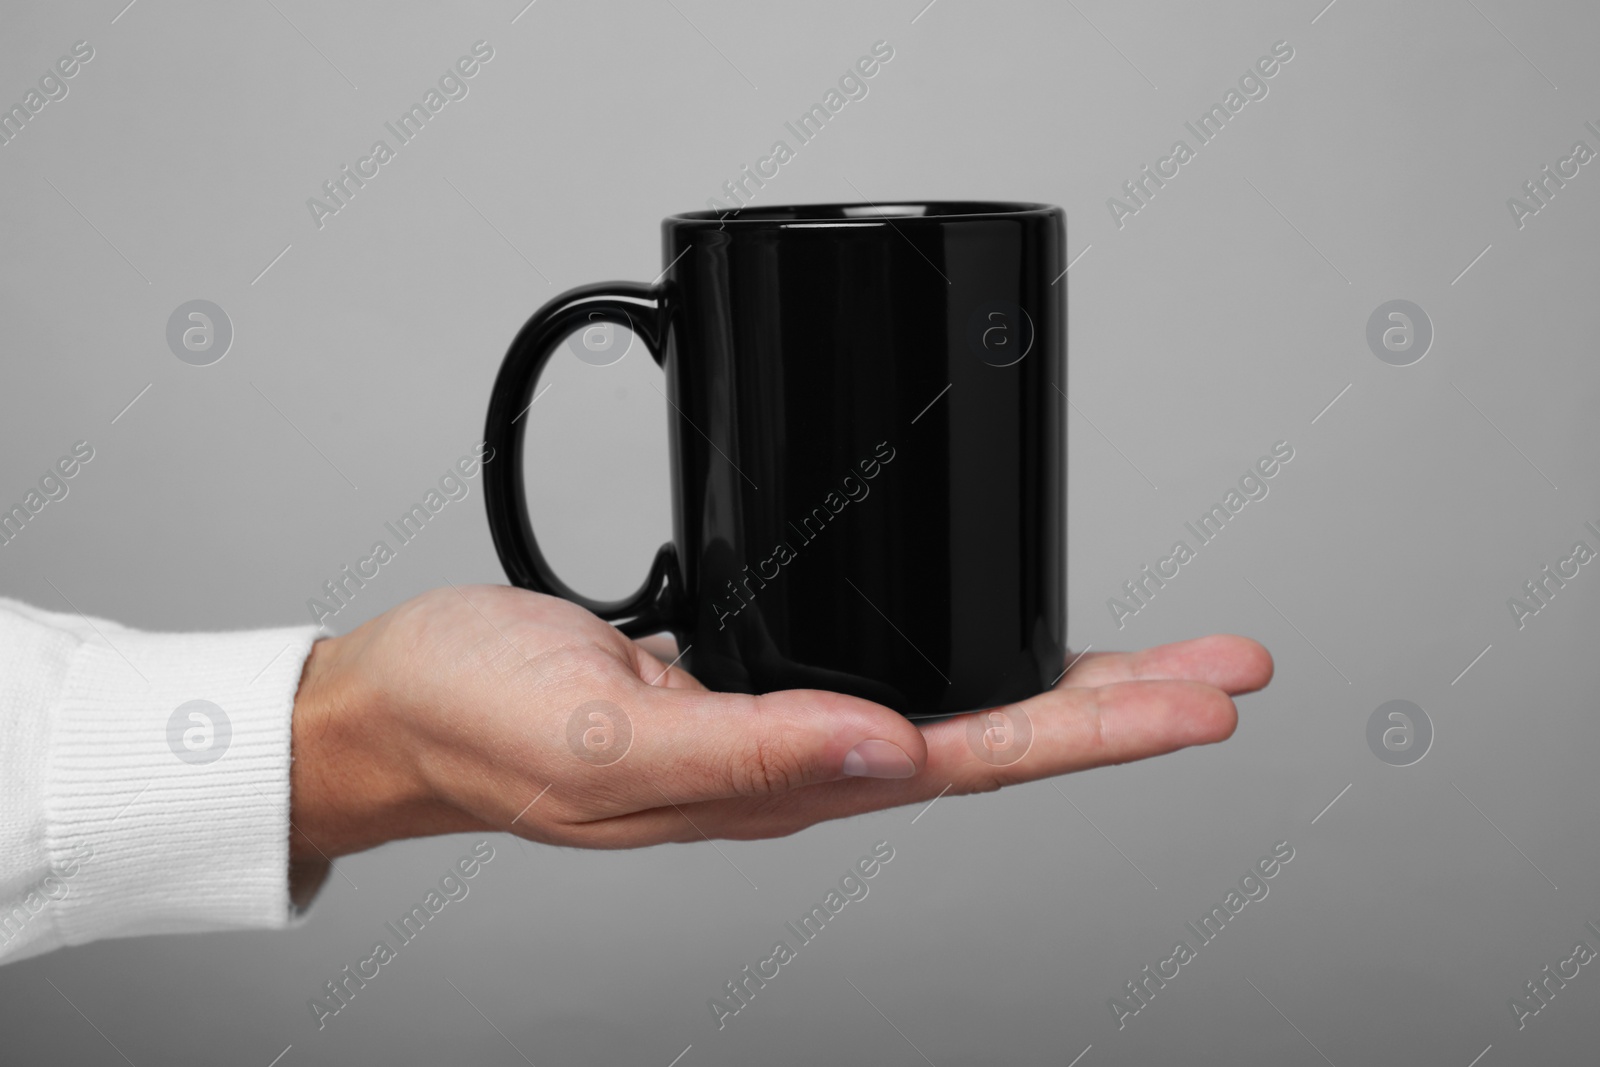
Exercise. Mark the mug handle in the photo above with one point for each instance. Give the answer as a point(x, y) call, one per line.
point(641, 309)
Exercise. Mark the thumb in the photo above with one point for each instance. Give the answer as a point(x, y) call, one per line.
point(693, 745)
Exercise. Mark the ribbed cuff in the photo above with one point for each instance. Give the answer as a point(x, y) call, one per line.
point(169, 781)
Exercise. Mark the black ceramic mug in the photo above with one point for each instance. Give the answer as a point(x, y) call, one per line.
point(867, 444)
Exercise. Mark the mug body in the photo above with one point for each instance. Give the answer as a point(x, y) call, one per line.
point(868, 449)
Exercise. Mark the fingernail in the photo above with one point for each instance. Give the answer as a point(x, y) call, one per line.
point(878, 759)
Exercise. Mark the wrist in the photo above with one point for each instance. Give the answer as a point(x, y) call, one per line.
point(357, 779)
point(347, 792)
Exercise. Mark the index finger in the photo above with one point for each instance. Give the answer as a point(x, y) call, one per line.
point(1229, 662)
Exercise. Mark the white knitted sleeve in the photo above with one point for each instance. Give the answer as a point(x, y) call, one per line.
point(144, 779)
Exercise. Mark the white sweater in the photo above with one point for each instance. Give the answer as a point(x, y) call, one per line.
point(124, 807)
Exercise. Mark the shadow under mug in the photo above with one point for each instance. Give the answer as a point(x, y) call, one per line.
point(867, 445)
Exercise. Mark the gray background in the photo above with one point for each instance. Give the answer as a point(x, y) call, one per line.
point(1220, 319)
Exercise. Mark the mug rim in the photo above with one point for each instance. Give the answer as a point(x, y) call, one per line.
point(829, 215)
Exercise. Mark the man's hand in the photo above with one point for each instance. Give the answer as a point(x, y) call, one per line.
point(475, 708)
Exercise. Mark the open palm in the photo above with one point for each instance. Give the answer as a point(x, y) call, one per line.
point(487, 707)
